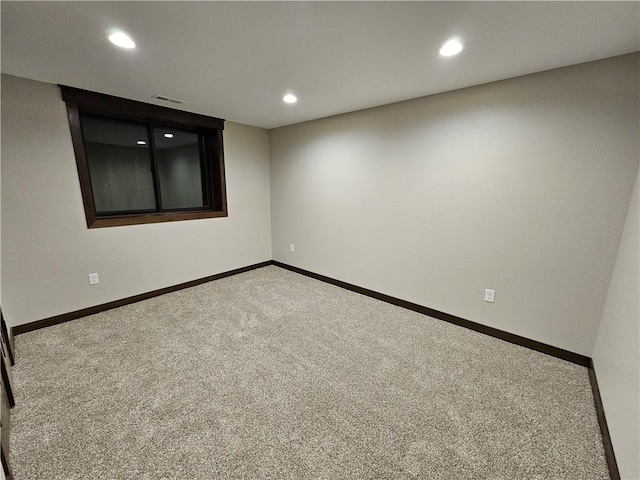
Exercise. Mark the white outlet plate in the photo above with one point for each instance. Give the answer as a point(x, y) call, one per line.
point(292, 247)
point(489, 295)
point(94, 279)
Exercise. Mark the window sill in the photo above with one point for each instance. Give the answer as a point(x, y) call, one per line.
point(121, 220)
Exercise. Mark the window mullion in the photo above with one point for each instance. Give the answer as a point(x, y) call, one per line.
point(154, 167)
point(205, 174)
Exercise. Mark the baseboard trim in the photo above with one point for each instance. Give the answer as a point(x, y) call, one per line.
point(478, 327)
point(609, 454)
point(567, 355)
point(65, 317)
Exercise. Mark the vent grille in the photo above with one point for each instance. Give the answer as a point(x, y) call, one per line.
point(167, 99)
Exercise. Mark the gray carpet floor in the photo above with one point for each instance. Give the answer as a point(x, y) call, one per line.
point(272, 375)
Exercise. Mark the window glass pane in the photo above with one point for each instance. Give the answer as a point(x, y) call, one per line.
point(119, 165)
point(177, 156)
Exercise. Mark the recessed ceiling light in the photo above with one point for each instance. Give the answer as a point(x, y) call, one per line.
point(168, 135)
point(289, 98)
point(452, 47)
point(141, 142)
point(122, 40)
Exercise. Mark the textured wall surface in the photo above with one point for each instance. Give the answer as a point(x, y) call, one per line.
point(47, 249)
point(616, 356)
point(521, 186)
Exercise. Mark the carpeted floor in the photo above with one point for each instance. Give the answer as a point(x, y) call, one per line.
point(272, 375)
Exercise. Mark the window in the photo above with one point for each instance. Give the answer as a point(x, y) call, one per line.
point(142, 163)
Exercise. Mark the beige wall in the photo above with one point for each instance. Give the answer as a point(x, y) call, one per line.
point(47, 250)
point(616, 356)
point(519, 186)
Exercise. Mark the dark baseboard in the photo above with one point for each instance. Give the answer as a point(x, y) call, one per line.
point(478, 327)
point(604, 429)
point(494, 332)
point(65, 317)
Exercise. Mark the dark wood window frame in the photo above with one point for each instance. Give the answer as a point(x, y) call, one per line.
point(82, 102)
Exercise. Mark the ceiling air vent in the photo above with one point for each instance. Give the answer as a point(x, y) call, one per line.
point(167, 99)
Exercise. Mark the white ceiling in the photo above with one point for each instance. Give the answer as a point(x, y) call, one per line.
point(235, 60)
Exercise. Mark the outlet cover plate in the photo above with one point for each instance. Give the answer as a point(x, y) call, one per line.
point(489, 295)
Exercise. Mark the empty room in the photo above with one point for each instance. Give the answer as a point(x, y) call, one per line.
point(320, 240)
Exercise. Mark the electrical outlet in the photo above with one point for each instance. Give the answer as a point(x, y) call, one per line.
point(94, 279)
point(489, 295)
point(292, 247)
